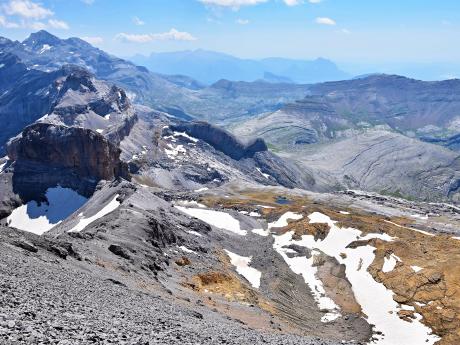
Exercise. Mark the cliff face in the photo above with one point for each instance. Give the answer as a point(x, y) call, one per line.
point(46, 155)
point(222, 140)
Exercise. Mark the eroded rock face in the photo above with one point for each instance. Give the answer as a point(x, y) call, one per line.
point(222, 140)
point(46, 155)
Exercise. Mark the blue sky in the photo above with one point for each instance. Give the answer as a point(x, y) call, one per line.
point(354, 33)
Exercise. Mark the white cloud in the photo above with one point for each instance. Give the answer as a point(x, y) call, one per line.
point(292, 2)
point(345, 31)
point(234, 4)
point(325, 21)
point(314, 1)
point(29, 15)
point(26, 9)
point(138, 21)
point(58, 24)
point(242, 21)
point(171, 35)
point(93, 40)
point(4, 23)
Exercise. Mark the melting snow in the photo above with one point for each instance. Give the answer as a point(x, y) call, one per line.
point(390, 264)
point(267, 176)
point(45, 48)
point(282, 221)
point(99, 130)
point(2, 165)
point(260, 232)
point(174, 151)
point(190, 203)
point(416, 268)
point(264, 206)
point(84, 222)
point(185, 135)
point(62, 202)
point(43, 117)
point(241, 264)
point(344, 212)
point(375, 299)
point(191, 232)
point(218, 219)
point(107, 117)
point(201, 189)
point(185, 249)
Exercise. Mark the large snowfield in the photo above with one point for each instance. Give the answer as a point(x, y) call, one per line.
point(41, 217)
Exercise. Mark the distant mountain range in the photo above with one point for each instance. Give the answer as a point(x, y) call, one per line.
point(209, 67)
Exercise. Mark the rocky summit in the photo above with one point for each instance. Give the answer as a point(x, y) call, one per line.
point(146, 208)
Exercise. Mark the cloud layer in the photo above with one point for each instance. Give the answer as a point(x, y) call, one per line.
point(171, 35)
point(235, 4)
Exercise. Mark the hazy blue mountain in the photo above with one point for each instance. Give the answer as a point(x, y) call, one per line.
point(209, 67)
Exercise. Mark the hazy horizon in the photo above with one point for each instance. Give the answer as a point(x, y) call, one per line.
point(360, 37)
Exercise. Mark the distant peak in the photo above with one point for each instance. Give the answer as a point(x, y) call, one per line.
point(41, 37)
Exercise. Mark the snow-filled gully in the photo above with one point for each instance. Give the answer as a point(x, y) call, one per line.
point(375, 299)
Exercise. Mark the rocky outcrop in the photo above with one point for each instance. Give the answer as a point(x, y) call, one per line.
point(222, 140)
point(70, 95)
point(46, 155)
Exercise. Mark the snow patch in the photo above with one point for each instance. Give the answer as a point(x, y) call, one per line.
point(241, 264)
point(390, 264)
point(2, 165)
point(84, 222)
point(416, 268)
point(172, 152)
point(185, 135)
point(99, 130)
point(201, 189)
point(191, 232)
point(218, 219)
point(267, 176)
point(260, 232)
point(185, 249)
point(283, 220)
point(190, 203)
point(39, 218)
point(45, 48)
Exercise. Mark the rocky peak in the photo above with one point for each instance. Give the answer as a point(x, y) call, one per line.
point(40, 38)
point(101, 99)
point(76, 77)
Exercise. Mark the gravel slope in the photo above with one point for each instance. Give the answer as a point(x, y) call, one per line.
point(47, 300)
